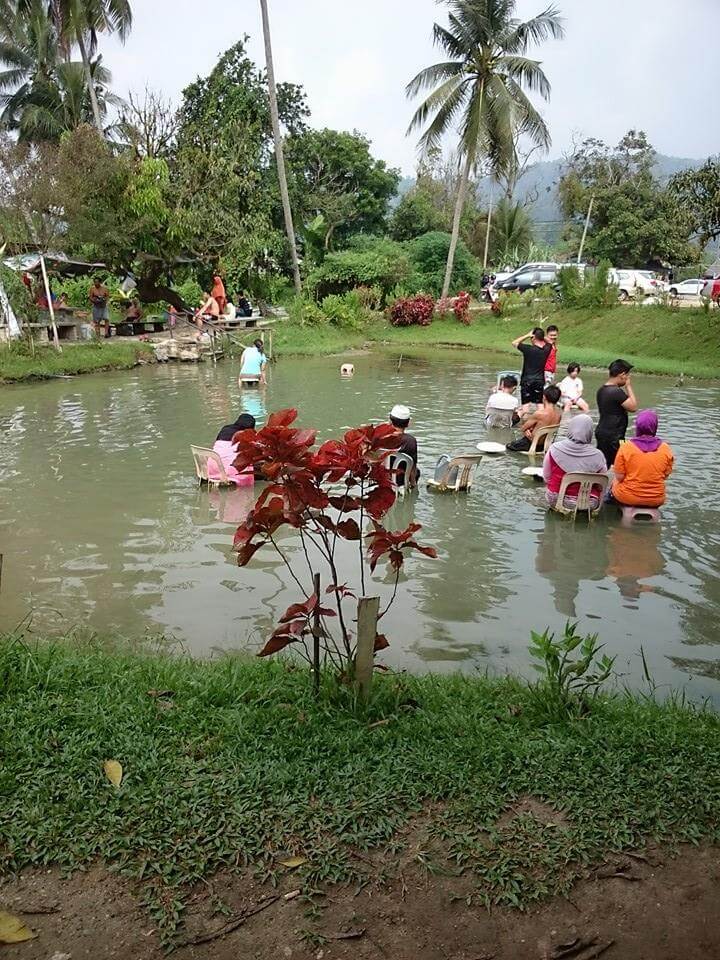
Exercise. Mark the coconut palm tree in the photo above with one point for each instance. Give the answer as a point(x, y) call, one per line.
point(275, 120)
point(54, 108)
point(481, 88)
point(29, 54)
point(80, 22)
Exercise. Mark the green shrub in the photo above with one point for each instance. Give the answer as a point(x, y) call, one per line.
point(191, 291)
point(428, 255)
point(365, 262)
point(345, 310)
point(305, 312)
point(592, 290)
point(18, 294)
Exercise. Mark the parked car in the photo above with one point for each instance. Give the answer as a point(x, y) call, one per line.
point(711, 290)
point(686, 288)
point(530, 277)
point(635, 284)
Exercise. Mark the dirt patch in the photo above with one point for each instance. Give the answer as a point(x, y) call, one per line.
point(650, 907)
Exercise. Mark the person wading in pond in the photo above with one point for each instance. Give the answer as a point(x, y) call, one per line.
point(548, 415)
point(643, 465)
point(575, 453)
point(253, 363)
point(227, 451)
point(551, 336)
point(535, 355)
point(400, 418)
point(615, 399)
point(503, 403)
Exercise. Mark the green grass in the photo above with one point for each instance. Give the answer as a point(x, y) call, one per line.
point(656, 339)
point(243, 768)
point(20, 362)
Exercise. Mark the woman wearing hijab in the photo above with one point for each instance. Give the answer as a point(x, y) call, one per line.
point(218, 292)
point(573, 454)
point(642, 465)
point(226, 450)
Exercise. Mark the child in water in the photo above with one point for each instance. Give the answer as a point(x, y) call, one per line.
point(571, 388)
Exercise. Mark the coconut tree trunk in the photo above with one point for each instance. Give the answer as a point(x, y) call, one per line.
point(89, 82)
point(275, 119)
point(459, 207)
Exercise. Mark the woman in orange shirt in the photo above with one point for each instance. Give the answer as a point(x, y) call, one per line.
point(642, 465)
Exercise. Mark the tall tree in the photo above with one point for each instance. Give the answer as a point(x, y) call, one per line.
point(481, 86)
point(275, 119)
point(81, 22)
point(698, 192)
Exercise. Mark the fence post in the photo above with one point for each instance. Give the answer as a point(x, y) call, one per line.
point(368, 609)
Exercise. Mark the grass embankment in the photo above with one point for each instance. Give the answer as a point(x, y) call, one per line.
point(232, 763)
point(20, 362)
point(655, 339)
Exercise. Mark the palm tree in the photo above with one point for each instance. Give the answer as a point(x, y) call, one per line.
point(511, 231)
point(54, 108)
point(481, 86)
point(28, 52)
point(80, 22)
point(275, 119)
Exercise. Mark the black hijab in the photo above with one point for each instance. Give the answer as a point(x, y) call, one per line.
point(244, 422)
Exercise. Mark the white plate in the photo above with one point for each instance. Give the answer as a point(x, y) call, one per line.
point(532, 472)
point(490, 446)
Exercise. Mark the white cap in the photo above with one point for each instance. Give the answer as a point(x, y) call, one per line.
point(399, 412)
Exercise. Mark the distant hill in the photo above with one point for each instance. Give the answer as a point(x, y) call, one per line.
point(542, 179)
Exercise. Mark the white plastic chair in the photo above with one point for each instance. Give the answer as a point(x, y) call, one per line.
point(549, 434)
point(585, 502)
point(401, 466)
point(202, 456)
point(632, 515)
point(507, 373)
point(455, 474)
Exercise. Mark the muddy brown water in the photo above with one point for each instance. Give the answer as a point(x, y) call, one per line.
point(103, 527)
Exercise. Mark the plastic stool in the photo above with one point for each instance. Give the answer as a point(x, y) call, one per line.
point(646, 514)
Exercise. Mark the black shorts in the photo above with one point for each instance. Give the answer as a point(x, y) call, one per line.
point(608, 446)
point(531, 391)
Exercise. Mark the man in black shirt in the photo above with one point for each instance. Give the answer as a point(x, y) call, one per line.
point(615, 399)
point(400, 418)
point(535, 354)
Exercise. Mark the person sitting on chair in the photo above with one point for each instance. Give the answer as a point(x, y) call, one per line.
point(575, 453)
point(547, 415)
point(227, 451)
point(208, 309)
point(642, 465)
point(502, 404)
point(253, 364)
point(134, 312)
point(400, 418)
point(244, 307)
point(229, 313)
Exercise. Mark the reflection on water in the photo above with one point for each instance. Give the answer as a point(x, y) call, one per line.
point(102, 523)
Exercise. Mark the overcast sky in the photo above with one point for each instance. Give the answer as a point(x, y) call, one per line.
point(649, 64)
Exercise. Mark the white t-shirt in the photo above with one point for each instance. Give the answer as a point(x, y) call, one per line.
point(499, 410)
point(571, 388)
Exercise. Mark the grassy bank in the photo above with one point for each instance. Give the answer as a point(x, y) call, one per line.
point(231, 764)
point(20, 362)
point(656, 339)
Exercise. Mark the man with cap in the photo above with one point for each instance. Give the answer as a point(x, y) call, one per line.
point(400, 418)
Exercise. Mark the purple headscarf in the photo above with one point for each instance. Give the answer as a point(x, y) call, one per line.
point(646, 424)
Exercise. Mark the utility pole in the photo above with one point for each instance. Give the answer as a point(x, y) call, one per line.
point(487, 233)
point(587, 224)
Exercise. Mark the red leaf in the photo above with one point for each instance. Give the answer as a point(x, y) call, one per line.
point(378, 502)
point(349, 530)
point(300, 609)
point(283, 418)
point(381, 642)
point(246, 553)
point(341, 590)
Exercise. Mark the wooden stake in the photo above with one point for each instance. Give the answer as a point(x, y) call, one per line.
point(46, 284)
point(1, 563)
point(368, 609)
point(316, 635)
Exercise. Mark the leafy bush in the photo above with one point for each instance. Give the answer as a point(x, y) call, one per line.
point(305, 312)
point(593, 290)
point(366, 262)
point(76, 290)
point(428, 254)
point(412, 311)
point(191, 291)
point(18, 294)
point(461, 307)
point(346, 310)
point(563, 691)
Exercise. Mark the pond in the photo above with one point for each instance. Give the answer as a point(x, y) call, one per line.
point(102, 526)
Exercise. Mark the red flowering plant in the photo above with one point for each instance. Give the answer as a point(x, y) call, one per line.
point(326, 494)
point(461, 307)
point(412, 311)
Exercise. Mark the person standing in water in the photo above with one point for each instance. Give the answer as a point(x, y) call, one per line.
point(535, 354)
point(253, 364)
point(615, 400)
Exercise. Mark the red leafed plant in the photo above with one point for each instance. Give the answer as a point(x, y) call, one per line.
point(461, 307)
point(412, 311)
point(327, 494)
